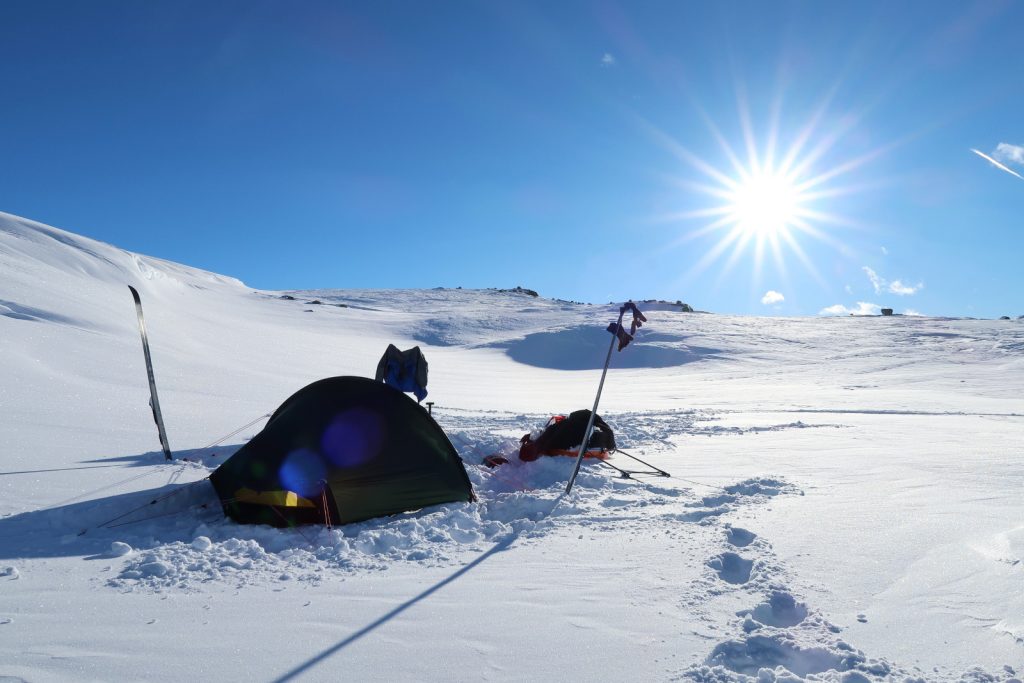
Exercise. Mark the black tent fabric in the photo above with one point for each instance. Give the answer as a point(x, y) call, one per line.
point(343, 449)
point(404, 370)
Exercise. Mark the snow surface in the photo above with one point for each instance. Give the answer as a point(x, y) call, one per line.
point(845, 505)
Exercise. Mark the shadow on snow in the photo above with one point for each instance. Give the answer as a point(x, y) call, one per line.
point(585, 348)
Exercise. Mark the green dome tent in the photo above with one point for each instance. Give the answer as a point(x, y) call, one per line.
point(341, 450)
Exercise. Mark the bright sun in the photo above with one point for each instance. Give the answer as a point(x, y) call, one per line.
point(764, 204)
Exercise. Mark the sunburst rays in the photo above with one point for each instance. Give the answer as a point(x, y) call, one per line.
point(770, 198)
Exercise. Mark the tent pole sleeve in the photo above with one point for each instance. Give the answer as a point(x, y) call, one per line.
point(597, 399)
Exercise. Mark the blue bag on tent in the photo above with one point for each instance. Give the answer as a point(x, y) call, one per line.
point(404, 370)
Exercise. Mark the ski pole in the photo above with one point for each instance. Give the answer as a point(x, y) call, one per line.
point(597, 399)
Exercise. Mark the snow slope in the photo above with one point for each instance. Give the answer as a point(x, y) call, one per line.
point(845, 502)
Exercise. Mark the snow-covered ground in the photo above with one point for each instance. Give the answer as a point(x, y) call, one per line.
point(847, 498)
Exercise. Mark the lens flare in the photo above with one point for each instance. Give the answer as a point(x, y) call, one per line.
point(303, 472)
point(353, 437)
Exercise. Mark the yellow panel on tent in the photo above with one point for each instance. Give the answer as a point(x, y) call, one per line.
point(288, 499)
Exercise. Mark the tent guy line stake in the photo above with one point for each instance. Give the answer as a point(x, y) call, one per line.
point(103, 488)
point(597, 399)
point(158, 516)
point(227, 436)
point(157, 499)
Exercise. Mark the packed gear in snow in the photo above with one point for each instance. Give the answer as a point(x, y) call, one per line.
point(563, 434)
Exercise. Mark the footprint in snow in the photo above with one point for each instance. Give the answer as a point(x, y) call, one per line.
point(616, 502)
point(713, 501)
point(781, 610)
point(738, 537)
point(762, 486)
point(732, 568)
point(700, 516)
point(754, 653)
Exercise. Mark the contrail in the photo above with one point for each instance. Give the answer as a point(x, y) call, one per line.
point(997, 164)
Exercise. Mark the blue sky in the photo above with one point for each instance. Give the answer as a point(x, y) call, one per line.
point(581, 149)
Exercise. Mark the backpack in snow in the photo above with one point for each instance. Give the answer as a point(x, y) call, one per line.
point(562, 436)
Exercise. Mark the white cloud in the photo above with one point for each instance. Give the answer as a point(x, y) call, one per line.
point(877, 281)
point(898, 288)
point(911, 311)
point(997, 164)
point(863, 308)
point(772, 297)
point(1009, 154)
point(849, 289)
point(608, 59)
point(885, 251)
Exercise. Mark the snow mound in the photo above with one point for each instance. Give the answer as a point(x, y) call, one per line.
point(120, 549)
point(517, 501)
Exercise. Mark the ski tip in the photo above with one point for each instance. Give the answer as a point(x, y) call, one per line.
point(135, 294)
